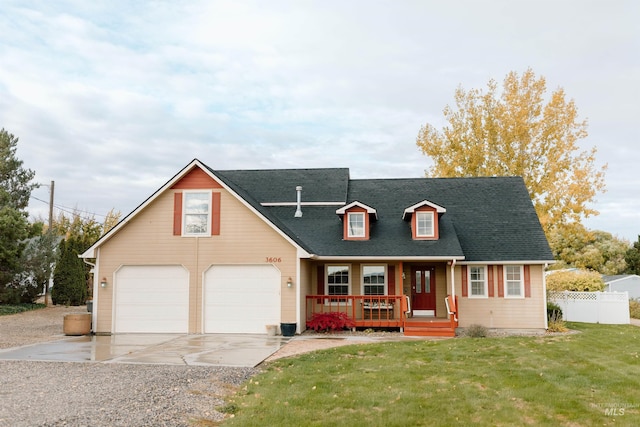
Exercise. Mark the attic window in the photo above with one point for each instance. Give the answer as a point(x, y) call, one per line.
point(424, 224)
point(196, 213)
point(356, 224)
point(424, 217)
point(356, 218)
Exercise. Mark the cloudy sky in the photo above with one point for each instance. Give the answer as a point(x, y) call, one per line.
point(111, 99)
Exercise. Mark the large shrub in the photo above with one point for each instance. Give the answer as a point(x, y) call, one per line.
point(69, 281)
point(575, 280)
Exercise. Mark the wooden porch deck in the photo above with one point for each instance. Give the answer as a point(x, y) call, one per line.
point(385, 311)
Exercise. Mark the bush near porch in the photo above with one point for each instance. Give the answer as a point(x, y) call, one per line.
point(569, 379)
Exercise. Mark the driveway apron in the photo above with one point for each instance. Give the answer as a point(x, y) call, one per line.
point(240, 350)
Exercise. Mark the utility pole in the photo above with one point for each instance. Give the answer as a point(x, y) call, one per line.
point(51, 205)
point(51, 188)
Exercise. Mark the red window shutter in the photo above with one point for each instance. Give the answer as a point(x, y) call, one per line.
point(500, 282)
point(527, 281)
point(215, 214)
point(465, 291)
point(320, 289)
point(490, 280)
point(391, 273)
point(177, 214)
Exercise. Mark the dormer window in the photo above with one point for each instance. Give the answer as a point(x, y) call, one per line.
point(356, 224)
point(424, 224)
point(424, 217)
point(356, 218)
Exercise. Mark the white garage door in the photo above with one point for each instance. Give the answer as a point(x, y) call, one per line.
point(152, 299)
point(241, 298)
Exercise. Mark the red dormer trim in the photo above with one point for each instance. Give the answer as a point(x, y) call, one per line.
point(414, 223)
point(427, 207)
point(366, 212)
point(345, 223)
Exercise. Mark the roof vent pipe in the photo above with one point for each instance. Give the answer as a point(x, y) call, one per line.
point(298, 213)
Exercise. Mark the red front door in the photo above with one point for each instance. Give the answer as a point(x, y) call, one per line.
point(423, 290)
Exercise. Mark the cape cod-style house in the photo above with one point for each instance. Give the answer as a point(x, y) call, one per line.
point(234, 251)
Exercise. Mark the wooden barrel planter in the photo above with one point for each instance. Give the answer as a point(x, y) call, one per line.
point(77, 324)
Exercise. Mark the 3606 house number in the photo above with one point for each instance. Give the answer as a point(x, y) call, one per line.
point(273, 259)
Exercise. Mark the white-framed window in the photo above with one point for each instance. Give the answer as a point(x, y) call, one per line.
point(478, 286)
point(513, 281)
point(196, 213)
point(356, 224)
point(374, 279)
point(338, 280)
point(424, 224)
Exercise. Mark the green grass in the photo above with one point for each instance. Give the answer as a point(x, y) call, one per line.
point(564, 380)
point(18, 308)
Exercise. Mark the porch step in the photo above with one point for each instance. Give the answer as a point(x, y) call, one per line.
point(415, 328)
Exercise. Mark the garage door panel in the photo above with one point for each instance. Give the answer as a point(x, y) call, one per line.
point(241, 298)
point(152, 299)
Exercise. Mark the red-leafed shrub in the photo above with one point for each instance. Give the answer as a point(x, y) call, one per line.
point(324, 322)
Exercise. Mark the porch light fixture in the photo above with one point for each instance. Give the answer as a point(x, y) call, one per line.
point(103, 282)
point(289, 283)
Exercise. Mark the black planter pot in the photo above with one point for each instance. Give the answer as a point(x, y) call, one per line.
point(288, 329)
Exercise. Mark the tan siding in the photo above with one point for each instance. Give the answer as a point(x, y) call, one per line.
point(499, 312)
point(148, 240)
point(441, 290)
point(306, 288)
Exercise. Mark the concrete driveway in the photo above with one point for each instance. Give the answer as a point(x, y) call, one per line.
point(237, 350)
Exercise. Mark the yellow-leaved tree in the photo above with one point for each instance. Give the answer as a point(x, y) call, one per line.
point(518, 131)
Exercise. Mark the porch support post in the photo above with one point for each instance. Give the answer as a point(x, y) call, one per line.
point(453, 279)
point(399, 280)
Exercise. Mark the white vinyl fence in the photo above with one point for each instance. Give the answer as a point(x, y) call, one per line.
point(593, 307)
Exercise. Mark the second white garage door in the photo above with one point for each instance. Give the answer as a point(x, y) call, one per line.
point(241, 298)
point(152, 299)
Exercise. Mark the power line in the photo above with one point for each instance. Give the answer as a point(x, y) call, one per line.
point(72, 211)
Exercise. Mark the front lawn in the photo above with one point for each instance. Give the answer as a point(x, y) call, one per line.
point(582, 379)
point(18, 308)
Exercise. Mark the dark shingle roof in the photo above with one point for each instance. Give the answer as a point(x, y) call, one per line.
point(487, 219)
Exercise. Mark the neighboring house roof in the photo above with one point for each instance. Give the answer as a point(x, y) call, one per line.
point(617, 277)
point(482, 220)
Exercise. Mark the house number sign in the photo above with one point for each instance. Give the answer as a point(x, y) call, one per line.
point(273, 259)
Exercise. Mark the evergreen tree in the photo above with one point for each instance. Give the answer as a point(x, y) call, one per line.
point(15, 189)
point(632, 257)
point(69, 277)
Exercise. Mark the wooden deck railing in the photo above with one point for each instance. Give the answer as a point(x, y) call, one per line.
point(366, 311)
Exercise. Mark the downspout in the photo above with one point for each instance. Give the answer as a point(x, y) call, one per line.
point(94, 308)
point(544, 294)
point(453, 289)
point(298, 297)
point(199, 289)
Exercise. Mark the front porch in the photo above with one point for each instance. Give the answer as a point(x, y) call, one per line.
point(384, 311)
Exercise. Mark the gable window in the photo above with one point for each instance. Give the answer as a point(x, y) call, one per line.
point(513, 283)
point(356, 224)
point(338, 279)
point(424, 224)
point(477, 282)
point(196, 213)
point(374, 280)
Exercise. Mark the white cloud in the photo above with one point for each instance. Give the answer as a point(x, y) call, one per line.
point(111, 99)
